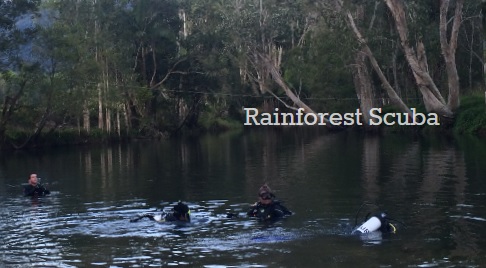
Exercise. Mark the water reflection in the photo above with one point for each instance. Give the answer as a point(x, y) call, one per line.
point(435, 187)
point(49, 237)
point(371, 168)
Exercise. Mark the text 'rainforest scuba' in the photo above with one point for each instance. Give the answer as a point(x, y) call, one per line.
point(254, 118)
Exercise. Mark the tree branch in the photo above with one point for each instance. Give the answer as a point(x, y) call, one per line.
point(456, 24)
point(392, 94)
point(155, 65)
point(167, 75)
point(397, 10)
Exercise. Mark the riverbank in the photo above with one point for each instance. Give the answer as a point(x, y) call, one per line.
point(470, 120)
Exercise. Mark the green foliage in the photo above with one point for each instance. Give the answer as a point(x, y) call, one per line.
point(319, 70)
point(16, 136)
point(215, 119)
point(62, 137)
point(212, 124)
point(173, 65)
point(471, 117)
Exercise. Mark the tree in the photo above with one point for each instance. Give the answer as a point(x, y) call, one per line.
point(15, 63)
point(416, 58)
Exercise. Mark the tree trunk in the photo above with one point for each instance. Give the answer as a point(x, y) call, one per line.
point(118, 123)
point(433, 100)
point(279, 80)
point(40, 126)
point(392, 94)
point(277, 77)
point(395, 74)
point(363, 85)
point(362, 78)
point(448, 48)
point(471, 53)
point(9, 106)
point(108, 120)
point(126, 115)
point(100, 107)
point(86, 123)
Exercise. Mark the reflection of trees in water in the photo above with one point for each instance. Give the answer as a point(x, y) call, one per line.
point(280, 158)
point(185, 167)
point(262, 164)
point(445, 179)
point(434, 181)
point(103, 169)
point(100, 168)
point(385, 173)
point(464, 231)
point(86, 165)
point(439, 186)
point(403, 169)
point(371, 168)
point(426, 183)
point(261, 153)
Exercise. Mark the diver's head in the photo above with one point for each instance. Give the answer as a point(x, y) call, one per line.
point(265, 195)
point(182, 212)
point(33, 180)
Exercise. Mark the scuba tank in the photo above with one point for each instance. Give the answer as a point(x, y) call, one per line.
point(377, 222)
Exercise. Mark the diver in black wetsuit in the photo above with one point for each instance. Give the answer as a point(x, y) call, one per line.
point(180, 213)
point(377, 222)
point(34, 188)
point(267, 207)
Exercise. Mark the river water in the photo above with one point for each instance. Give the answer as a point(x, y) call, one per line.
point(434, 188)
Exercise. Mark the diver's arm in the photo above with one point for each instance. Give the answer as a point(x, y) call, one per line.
point(285, 210)
point(44, 190)
point(252, 211)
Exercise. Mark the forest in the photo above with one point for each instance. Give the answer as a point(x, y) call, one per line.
point(75, 71)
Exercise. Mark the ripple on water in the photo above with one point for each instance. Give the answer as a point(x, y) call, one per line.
point(47, 234)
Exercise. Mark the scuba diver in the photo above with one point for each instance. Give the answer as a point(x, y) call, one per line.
point(34, 187)
point(267, 207)
point(179, 213)
point(379, 221)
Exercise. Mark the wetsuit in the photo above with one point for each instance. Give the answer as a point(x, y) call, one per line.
point(38, 190)
point(272, 211)
point(386, 226)
point(181, 213)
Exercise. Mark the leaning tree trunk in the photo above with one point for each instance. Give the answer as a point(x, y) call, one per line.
point(363, 85)
point(392, 94)
point(277, 77)
point(448, 48)
point(361, 75)
point(433, 100)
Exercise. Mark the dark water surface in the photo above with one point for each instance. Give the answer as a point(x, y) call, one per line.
point(434, 187)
